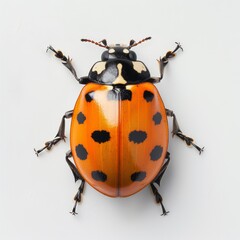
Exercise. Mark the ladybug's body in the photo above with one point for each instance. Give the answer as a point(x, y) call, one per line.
point(119, 130)
point(119, 137)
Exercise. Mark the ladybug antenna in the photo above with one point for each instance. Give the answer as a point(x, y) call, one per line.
point(104, 42)
point(134, 44)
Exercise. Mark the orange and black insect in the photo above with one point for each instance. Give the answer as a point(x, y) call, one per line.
point(119, 129)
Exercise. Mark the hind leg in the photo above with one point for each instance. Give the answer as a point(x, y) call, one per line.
point(157, 180)
point(77, 176)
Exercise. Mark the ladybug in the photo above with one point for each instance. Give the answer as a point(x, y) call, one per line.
point(119, 128)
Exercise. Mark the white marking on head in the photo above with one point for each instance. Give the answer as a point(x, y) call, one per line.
point(99, 67)
point(119, 79)
point(139, 66)
point(125, 50)
point(111, 50)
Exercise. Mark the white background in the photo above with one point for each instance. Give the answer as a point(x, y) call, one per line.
point(201, 85)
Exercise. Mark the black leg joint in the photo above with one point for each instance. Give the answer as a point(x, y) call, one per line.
point(77, 176)
point(67, 62)
point(176, 131)
point(163, 62)
point(58, 54)
point(78, 197)
point(169, 113)
point(158, 178)
point(59, 136)
point(159, 199)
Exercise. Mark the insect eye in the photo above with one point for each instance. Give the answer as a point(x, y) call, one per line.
point(105, 56)
point(132, 56)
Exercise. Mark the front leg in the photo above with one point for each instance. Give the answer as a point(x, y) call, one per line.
point(59, 136)
point(164, 61)
point(67, 62)
point(176, 131)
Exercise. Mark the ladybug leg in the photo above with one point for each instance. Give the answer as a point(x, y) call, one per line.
point(164, 61)
point(59, 136)
point(78, 197)
point(163, 169)
point(157, 180)
point(77, 176)
point(176, 131)
point(67, 62)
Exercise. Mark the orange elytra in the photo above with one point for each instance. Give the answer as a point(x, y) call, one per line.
point(119, 146)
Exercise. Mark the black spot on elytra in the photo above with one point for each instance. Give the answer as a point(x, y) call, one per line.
point(126, 94)
point(138, 176)
point(89, 96)
point(81, 118)
point(99, 176)
point(81, 152)
point(119, 94)
point(148, 96)
point(157, 118)
point(156, 153)
point(101, 136)
point(137, 136)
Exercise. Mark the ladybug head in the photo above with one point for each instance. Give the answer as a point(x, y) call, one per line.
point(119, 65)
point(117, 51)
